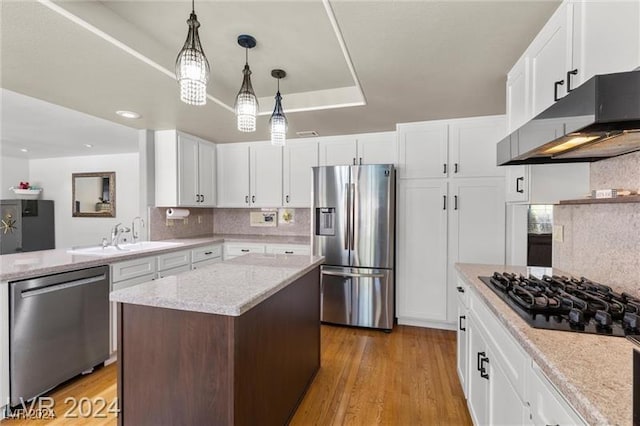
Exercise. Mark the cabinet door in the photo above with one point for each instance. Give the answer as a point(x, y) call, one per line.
point(599, 48)
point(478, 394)
point(422, 250)
point(550, 59)
point(462, 355)
point(299, 158)
point(187, 171)
point(476, 227)
point(233, 175)
point(422, 150)
point(517, 184)
point(472, 145)
point(266, 175)
point(548, 407)
point(337, 150)
point(505, 406)
point(207, 174)
point(377, 148)
point(518, 95)
point(477, 224)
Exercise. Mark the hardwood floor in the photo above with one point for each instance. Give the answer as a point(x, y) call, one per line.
point(367, 377)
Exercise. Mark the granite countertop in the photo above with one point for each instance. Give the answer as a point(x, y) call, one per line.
point(228, 288)
point(594, 373)
point(36, 263)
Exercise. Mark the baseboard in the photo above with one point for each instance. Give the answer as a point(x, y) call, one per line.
point(427, 324)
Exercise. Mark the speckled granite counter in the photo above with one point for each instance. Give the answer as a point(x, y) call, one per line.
point(44, 262)
point(594, 373)
point(230, 288)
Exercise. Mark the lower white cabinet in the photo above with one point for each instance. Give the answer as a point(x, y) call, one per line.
point(4, 346)
point(501, 382)
point(287, 249)
point(174, 261)
point(174, 271)
point(235, 249)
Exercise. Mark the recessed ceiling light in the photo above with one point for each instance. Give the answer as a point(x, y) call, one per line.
point(307, 133)
point(88, 145)
point(128, 114)
point(24, 150)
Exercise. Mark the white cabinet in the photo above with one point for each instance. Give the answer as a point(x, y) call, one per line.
point(232, 250)
point(206, 255)
point(120, 285)
point(249, 175)
point(265, 175)
point(173, 259)
point(366, 148)
point(550, 59)
point(4, 346)
point(422, 246)
point(518, 95)
point(298, 159)
point(235, 249)
point(452, 148)
point(601, 48)
point(462, 347)
point(338, 150)
point(582, 38)
point(185, 170)
point(517, 184)
point(423, 150)
point(472, 146)
point(502, 384)
point(287, 249)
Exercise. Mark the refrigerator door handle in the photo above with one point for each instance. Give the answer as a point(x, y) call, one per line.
point(347, 206)
point(353, 216)
point(352, 274)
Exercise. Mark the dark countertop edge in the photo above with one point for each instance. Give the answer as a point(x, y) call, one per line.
point(239, 310)
point(583, 406)
point(189, 243)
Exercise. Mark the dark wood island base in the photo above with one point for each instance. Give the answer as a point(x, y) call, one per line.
point(189, 368)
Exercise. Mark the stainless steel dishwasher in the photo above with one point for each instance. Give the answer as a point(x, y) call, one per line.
point(59, 327)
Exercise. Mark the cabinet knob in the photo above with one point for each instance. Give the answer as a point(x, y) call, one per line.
point(444, 168)
point(460, 289)
point(246, 199)
point(288, 252)
point(354, 161)
point(244, 250)
point(207, 253)
point(518, 188)
point(360, 160)
point(455, 167)
point(460, 326)
point(455, 202)
point(253, 198)
point(444, 204)
point(202, 197)
point(287, 199)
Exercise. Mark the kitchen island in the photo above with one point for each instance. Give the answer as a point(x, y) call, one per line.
point(237, 342)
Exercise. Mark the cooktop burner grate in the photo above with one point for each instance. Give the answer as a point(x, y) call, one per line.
point(568, 304)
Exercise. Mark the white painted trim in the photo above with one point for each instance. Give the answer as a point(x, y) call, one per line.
point(427, 324)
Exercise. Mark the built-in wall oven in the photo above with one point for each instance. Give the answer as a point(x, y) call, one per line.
point(59, 328)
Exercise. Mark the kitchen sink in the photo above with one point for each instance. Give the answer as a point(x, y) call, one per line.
point(125, 248)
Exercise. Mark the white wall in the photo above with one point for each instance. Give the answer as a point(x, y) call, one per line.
point(12, 171)
point(54, 176)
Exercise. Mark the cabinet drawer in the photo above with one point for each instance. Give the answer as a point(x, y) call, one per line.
point(295, 249)
point(173, 260)
point(240, 249)
point(205, 253)
point(203, 263)
point(133, 268)
point(174, 271)
point(133, 281)
point(508, 353)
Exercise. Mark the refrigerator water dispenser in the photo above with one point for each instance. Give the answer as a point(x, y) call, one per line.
point(325, 221)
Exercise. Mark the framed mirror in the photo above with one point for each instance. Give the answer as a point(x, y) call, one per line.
point(94, 194)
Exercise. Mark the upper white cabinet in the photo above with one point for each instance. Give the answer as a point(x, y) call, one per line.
point(367, 148)
point(423, 150)
point(249, 175)
point(581, 39)
point(298, 158)
point(472, 146)
point(452, 148)
point(550, 59)
point(185, 170)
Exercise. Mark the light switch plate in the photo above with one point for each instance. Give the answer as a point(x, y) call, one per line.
point(558, 233)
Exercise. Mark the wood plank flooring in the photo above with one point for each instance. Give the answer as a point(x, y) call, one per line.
point(367, 377)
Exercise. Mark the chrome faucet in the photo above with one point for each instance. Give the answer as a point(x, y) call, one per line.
point(115, 234)
point(135, 231)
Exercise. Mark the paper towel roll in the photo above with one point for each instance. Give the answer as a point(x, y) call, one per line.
point(177, 213)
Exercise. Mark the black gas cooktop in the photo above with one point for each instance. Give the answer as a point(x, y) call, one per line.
point(568, 304)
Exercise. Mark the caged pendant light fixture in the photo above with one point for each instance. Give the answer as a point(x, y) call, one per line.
point(246, 101)
point(192, 67)
point(278, 122)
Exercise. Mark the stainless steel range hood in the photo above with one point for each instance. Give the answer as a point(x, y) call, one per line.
point(599, 119)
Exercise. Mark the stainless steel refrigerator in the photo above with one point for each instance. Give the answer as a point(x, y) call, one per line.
point(354, 228)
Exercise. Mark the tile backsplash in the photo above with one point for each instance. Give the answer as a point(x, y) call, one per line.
point(236, 221)
point(199, 222)
point(602, 241)
point(221, 221)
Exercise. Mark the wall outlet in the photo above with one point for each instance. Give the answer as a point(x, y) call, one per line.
point(169, 222)
point(558, 233)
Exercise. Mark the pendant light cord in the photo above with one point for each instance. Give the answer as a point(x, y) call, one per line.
point(193, 9)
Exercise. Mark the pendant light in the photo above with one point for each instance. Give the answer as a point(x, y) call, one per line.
point(278, 122)
point(192, 67)
point(246, 101)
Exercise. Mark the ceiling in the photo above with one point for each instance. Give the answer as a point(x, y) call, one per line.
point(399, 61)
